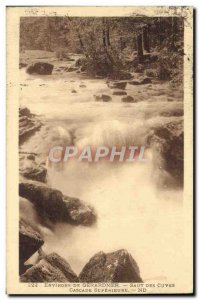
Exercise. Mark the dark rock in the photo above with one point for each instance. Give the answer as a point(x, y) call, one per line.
point(102, 97)
point(73, 91)
point(48, 202)
point(167, 142)
point(30, 241)
point(82, 85)
point(146, 80)
point(28, 124)
point(31, 156)
point(24, 111)
point(72, 69)
point(34, 172)
point(117, 85)
point(118, 266)
point(128, 99)
point(50, 268)
point(40, 68)
point(52, 205)
point(119, 93)
point(78, 212)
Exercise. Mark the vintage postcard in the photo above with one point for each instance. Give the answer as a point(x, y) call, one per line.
point(100, 150)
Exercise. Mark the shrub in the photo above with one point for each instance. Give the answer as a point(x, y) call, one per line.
point(151, 73)
point(103, 62)
point(170, 65)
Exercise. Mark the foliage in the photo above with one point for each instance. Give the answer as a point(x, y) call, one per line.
point(111, 45)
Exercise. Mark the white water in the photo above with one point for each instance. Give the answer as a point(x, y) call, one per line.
point(132, 212)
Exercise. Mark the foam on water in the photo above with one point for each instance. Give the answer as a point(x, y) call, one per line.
point(131, 212)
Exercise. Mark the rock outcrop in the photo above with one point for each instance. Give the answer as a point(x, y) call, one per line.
point(30, 241)
point(28, 124)
point(52, 205)
point(30, 169)
point(167, 142)
point(118, 266)
point(50, 268)
point(40, 68)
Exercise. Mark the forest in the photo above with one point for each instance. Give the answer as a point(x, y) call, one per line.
point(111, 46)
point(114, 85)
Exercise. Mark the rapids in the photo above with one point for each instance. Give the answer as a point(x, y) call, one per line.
point(132, 212)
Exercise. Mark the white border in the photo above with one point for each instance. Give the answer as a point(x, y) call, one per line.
point(3, 97)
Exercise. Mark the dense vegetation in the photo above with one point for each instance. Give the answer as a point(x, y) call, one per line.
point(111, 46)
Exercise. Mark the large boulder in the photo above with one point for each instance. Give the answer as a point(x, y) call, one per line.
point(167, 143)
point(28, 124)
point(118, 266)
point(146, 80)
point(50, 268)
point(41, 68)
point(30, 241)
point(48, 202)
point(52, 205)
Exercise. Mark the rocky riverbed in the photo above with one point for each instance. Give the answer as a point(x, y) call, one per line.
point(70, 212)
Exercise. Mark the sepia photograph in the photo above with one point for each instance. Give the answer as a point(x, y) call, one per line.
point(103, 126)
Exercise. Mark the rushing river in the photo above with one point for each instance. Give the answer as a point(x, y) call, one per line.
point(132, 213)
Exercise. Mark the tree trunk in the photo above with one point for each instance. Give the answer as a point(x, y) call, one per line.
point(103, 33)
point(122, 44)
point(146, 40)
point(160, 32)
point(108, 36)
point(139, 48)
point(174, 32)
point(80, 41)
